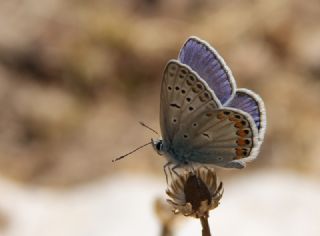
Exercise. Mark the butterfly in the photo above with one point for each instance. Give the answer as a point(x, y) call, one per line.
point(204, 118)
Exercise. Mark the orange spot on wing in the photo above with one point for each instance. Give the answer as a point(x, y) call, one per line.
point(241, 142)
point(239, 151)
point(238, 125)
point(233, 119)
point(241, 133)
point(221, 116)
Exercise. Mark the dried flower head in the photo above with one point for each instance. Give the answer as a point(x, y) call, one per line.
point(194, 192)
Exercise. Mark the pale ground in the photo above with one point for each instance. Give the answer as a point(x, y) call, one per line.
point(262, 203)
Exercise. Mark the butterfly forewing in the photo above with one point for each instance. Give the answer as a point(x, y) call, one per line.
point(210, 66)
point(182, 93)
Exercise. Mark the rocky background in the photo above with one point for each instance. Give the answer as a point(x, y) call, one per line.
point(77, 76)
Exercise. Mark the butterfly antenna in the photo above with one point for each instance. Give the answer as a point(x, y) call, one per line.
point(144, 125)
point(123, 156)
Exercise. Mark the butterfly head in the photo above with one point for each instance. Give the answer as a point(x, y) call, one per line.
point(158, 146)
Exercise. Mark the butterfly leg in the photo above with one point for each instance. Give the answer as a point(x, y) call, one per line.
point(166, 168)
point(173, 169)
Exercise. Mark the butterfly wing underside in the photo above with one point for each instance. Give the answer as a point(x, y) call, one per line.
point(250, 102)
point(181, 93)
point(194, 126)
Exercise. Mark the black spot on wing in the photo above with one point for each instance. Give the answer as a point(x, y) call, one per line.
point(175, 105)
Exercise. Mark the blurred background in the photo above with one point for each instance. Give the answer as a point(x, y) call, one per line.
point(77, 76)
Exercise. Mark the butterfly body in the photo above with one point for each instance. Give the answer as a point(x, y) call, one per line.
point(203, 118)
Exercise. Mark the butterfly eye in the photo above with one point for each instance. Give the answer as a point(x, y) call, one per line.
point(226, 113)
point(185, 136)
point(191, 108)
point(169, 88)
point(177, 88)
point(243, 122)
point(159, 146)
point(194, 124)
point(247, 141)
point(183, 91)
point(237, 116)
point(188, 99)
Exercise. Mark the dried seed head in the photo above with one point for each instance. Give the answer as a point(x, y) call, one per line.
point(195, 192)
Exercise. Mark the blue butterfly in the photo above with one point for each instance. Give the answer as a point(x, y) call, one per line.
point(204, 118)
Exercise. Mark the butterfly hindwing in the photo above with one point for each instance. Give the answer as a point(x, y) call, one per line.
point(250, 102)
point(221, 137)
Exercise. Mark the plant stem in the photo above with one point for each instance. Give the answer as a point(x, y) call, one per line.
point(166, 231)
point(205, 226)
